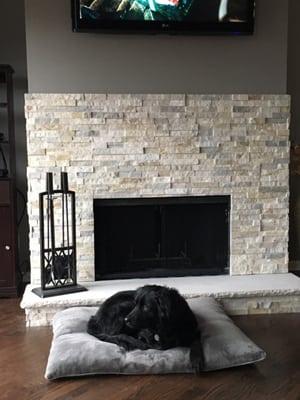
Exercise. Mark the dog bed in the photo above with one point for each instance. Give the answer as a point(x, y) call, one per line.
point(76, 353)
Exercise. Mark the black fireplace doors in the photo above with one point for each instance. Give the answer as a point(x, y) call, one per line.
point(158, 237)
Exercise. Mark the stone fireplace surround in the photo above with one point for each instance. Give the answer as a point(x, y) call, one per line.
point(164, 145)
point(118, 146)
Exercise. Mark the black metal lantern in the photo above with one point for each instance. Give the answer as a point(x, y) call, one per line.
point(57, 240)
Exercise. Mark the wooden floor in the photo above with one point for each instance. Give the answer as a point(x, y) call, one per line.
point(23, 356)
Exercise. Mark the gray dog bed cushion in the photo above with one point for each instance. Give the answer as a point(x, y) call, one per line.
point(76, 353)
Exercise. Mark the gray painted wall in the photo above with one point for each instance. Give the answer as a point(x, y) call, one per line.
point(13, 52)
point(62, 61)
point(293, 86)
point(293, 77)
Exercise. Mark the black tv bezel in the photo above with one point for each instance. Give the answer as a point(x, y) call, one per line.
point(158, 27)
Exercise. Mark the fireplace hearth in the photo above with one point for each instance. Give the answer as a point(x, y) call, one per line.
point(159, 237)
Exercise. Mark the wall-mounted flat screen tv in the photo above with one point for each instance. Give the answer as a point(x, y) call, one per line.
point(234, 17)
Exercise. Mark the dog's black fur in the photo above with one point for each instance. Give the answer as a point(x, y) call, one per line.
point(149, 317)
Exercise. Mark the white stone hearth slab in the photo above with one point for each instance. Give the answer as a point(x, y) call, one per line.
point(247, 294)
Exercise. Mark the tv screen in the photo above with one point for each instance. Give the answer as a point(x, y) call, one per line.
point(169, 16)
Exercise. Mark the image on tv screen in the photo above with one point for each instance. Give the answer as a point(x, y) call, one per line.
point(165, 10)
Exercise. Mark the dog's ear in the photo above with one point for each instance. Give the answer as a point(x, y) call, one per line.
point(173, 306)
point(164, 305)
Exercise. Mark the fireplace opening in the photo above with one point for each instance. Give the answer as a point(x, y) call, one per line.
point(159, 237)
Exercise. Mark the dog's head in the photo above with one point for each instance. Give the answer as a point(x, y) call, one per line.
point(155, 307)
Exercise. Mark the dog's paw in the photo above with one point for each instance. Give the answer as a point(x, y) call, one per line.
point(133, 346)
point(143, 346)
point(126, 346)
point(102, 336)
point(148, 336)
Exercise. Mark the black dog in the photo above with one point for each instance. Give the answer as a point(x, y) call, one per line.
point(149, 317)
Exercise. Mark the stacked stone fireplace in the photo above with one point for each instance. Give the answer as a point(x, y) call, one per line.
point(145, 146)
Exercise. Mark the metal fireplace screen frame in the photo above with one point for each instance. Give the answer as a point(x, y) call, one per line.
point(134, 237)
